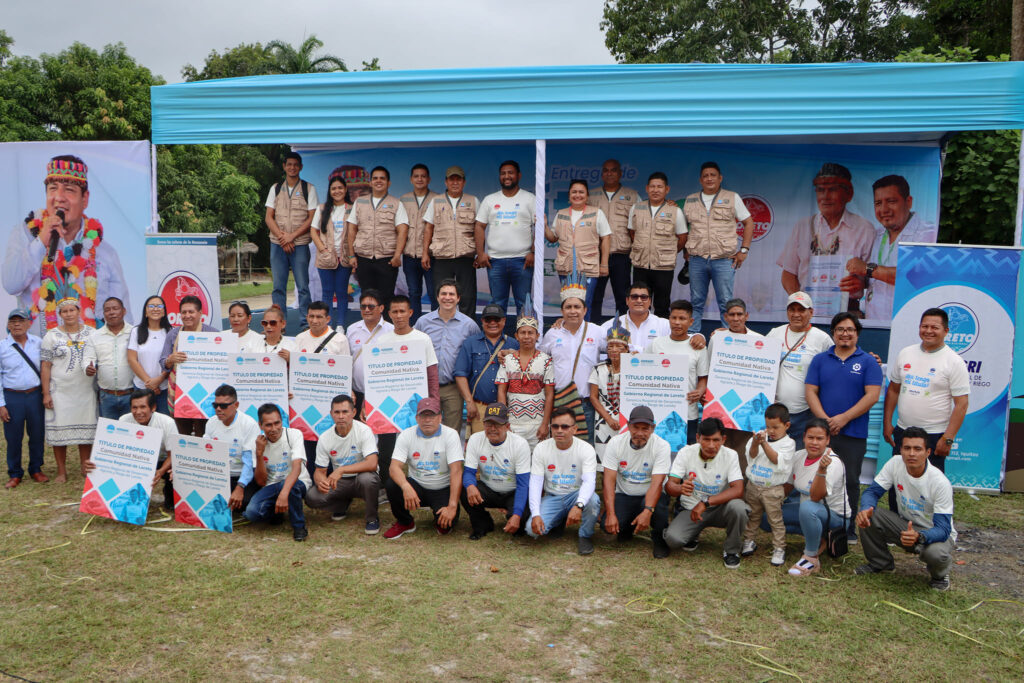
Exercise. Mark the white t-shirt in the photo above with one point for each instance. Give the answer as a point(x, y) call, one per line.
point(149, 354)
point(241, 433)
point(162, 422)
point(338, 217)
point(401, 216)
point(497, 466)
point(636, 467)
point(742, 213)
point(639, 335)
point(928, 382)
point(602, 221)
point(392, 337)
point(428, 457)
point(509, 222)
point(358, 336)
point(793, 371)
point(681, 228)
point(563, 470)
point(835, 481)
point(311, 201)
point(763, 471)
point(305, 342)
point(280, 455)
point(250, 342)
point(260, 345)
point(918, 500)
point(722, 332)
point(711, 477)
point(350, 449)
point(561, 345)
point(698, 364)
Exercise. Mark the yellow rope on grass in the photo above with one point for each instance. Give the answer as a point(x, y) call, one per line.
point(33, 552)
point(944, 628)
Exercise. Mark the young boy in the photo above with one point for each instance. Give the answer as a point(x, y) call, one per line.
point(770, 454)
point(679, 341)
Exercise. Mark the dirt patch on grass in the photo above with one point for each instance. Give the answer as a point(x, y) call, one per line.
point(991, 557)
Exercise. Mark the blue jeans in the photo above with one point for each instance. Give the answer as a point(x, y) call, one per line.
point(620, 272)
point(415, 278)
point(261, 507)
point(26, 411)
point(113, 407)
point(554, 510)
point(334, 284)
point(591, 288)
point(588, 415)
point(298, 263)
point(506, 273)
point(704, 272)
point(161, 402)
point(797, 426)
point(808, 519)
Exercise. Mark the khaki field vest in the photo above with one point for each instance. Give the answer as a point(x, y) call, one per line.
point(617, 213)
point(654, 239)
point(712, 233)
point(454, 230)
point(291, 212)
point(584, 238)
point(376, 235)
point(414, 244)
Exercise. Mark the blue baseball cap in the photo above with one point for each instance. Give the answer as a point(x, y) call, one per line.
point(19, 313)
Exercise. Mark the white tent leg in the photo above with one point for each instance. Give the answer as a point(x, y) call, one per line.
point(537, 290)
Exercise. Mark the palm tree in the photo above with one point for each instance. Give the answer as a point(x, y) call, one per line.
point(303, 60)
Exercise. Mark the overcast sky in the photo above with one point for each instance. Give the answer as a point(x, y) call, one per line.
point(404, 34)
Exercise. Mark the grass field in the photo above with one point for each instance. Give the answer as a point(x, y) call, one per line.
point(120, 602)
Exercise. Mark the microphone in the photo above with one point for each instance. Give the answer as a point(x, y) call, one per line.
point(55, 237)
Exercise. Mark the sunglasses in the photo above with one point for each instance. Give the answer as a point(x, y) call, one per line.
point(239, 301)
point(368, 307)
point(639, 297)
point(270, 323)
point(222, 406)
point(558, 426)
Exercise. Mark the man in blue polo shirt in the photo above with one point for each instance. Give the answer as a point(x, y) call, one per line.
point(477, 365)
point(842, 384)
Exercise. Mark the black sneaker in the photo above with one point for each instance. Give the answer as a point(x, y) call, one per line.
point(732, 561)
point(661, 551)
point(339, 515)
point(868, 569)
point(477, 535)
point(940, 584)
point(300, 533)
point(690, 546)
point(585, 546)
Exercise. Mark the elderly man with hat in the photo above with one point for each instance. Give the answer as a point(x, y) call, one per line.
point(820, 245)
point(496, 475)
point(449, 237)
point(433, 454)
point(21, 400)
point(59, 246)
point(635, 466)
point(477, 365)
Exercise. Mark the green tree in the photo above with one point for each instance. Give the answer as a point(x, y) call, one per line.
point(247, 59)
point(978, 24)
point(303, 60)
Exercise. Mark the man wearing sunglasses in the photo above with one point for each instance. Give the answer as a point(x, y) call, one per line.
point(644, 327)
point(371, 327)
point(240, 431)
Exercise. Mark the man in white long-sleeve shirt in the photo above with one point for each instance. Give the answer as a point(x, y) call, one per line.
point(562, 482)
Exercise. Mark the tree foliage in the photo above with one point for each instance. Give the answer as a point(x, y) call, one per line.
point(247, 59)
point(303, 59)
point(983, 25)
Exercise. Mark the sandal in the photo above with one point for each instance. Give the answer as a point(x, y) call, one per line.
point(805, 566)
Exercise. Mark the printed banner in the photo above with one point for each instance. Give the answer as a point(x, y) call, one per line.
point(314, 380)
point(659, 382)
point(182, 264)
point(259, 378)
point(742, 380)
point(1014, 480)
point(202, 480)
point(125, 456)
point(395, 378)
point(119, 199)
point(206, 369)
point(977, 288)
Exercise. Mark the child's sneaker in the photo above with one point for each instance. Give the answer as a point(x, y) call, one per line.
point(778, 557)
point(748, 548)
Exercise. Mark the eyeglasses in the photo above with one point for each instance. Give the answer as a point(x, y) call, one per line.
point(243, 302)
point(368, 307)
point(222, 406)
point(155, 307)
point(269, 323)
point(639, 297)
point(558, 426)
point(845, 330)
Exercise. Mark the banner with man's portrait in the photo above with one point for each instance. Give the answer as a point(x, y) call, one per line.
point(73, 218)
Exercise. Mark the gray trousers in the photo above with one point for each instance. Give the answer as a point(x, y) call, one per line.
point(732, 517)
point(886, 527)
point(365, 485)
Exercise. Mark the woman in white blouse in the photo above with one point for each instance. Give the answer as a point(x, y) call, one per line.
point(274, 340)
point(332, 259)
point(144, 348)
point(239, 317)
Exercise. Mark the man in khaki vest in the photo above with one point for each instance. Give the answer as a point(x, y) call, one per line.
point(290, 208)
point(449, 245)
point(416, 276)
point(615, 201)
point(658, 231)
point(377, 229)
point(711, 216)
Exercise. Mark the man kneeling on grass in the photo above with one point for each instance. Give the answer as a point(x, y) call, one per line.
point(350, 447)
point(281, 470)
point(706, 476)
point(565, 471)
point(924, 522)
point(434, 455)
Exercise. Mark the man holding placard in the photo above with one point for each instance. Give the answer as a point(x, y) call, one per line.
point(240, 431)
point(679, 342)
point(351, 448)
point(143, 412)
point(361, 333)
point(281, 469)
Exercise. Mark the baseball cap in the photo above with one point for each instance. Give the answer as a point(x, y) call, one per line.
point(428, 405)
point(19, 313)
point(641, 414)
point(455, 170)
point(492, 311)
point(802, 298)
point(496, 412)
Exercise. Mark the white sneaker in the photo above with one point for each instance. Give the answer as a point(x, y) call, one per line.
point(778, 557)
point(748, 548)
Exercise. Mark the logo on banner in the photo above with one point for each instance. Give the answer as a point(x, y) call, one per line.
point(139, 434)
point(963, 327)
point(303, 360)
point(182, 283)
point(761, 213)
point(635, 362)
point(404, 348)
point(758, 344)
point(665, 362)
point(266, 360)
point(330, 362)
point(209, 448)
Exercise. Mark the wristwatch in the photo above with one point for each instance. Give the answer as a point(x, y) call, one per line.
point(705, 499)
point(744, 250)
point(649, 508)
point(949, 442)
point(870, 269)
point(580, 504)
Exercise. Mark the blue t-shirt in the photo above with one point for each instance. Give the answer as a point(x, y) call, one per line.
point(841, 383)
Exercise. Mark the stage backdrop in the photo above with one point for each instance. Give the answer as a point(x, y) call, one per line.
point(119, 198)
point(977, 287)
point(775, 181)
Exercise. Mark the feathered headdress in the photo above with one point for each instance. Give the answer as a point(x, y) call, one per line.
point(617, 332)
point(575, 284)
point(527, 317)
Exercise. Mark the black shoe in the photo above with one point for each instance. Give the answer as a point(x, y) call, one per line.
point(684, 274)
point(477, 535)
point(940, 584)
point(690, 546)
point(300, 533)
point(660, 551)
point(732, 561)
point(585, 546)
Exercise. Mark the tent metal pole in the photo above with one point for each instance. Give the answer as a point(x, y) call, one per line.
point(1020, 195)
point(540, 174)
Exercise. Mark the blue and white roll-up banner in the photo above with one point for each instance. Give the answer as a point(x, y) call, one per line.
point(977, 287)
